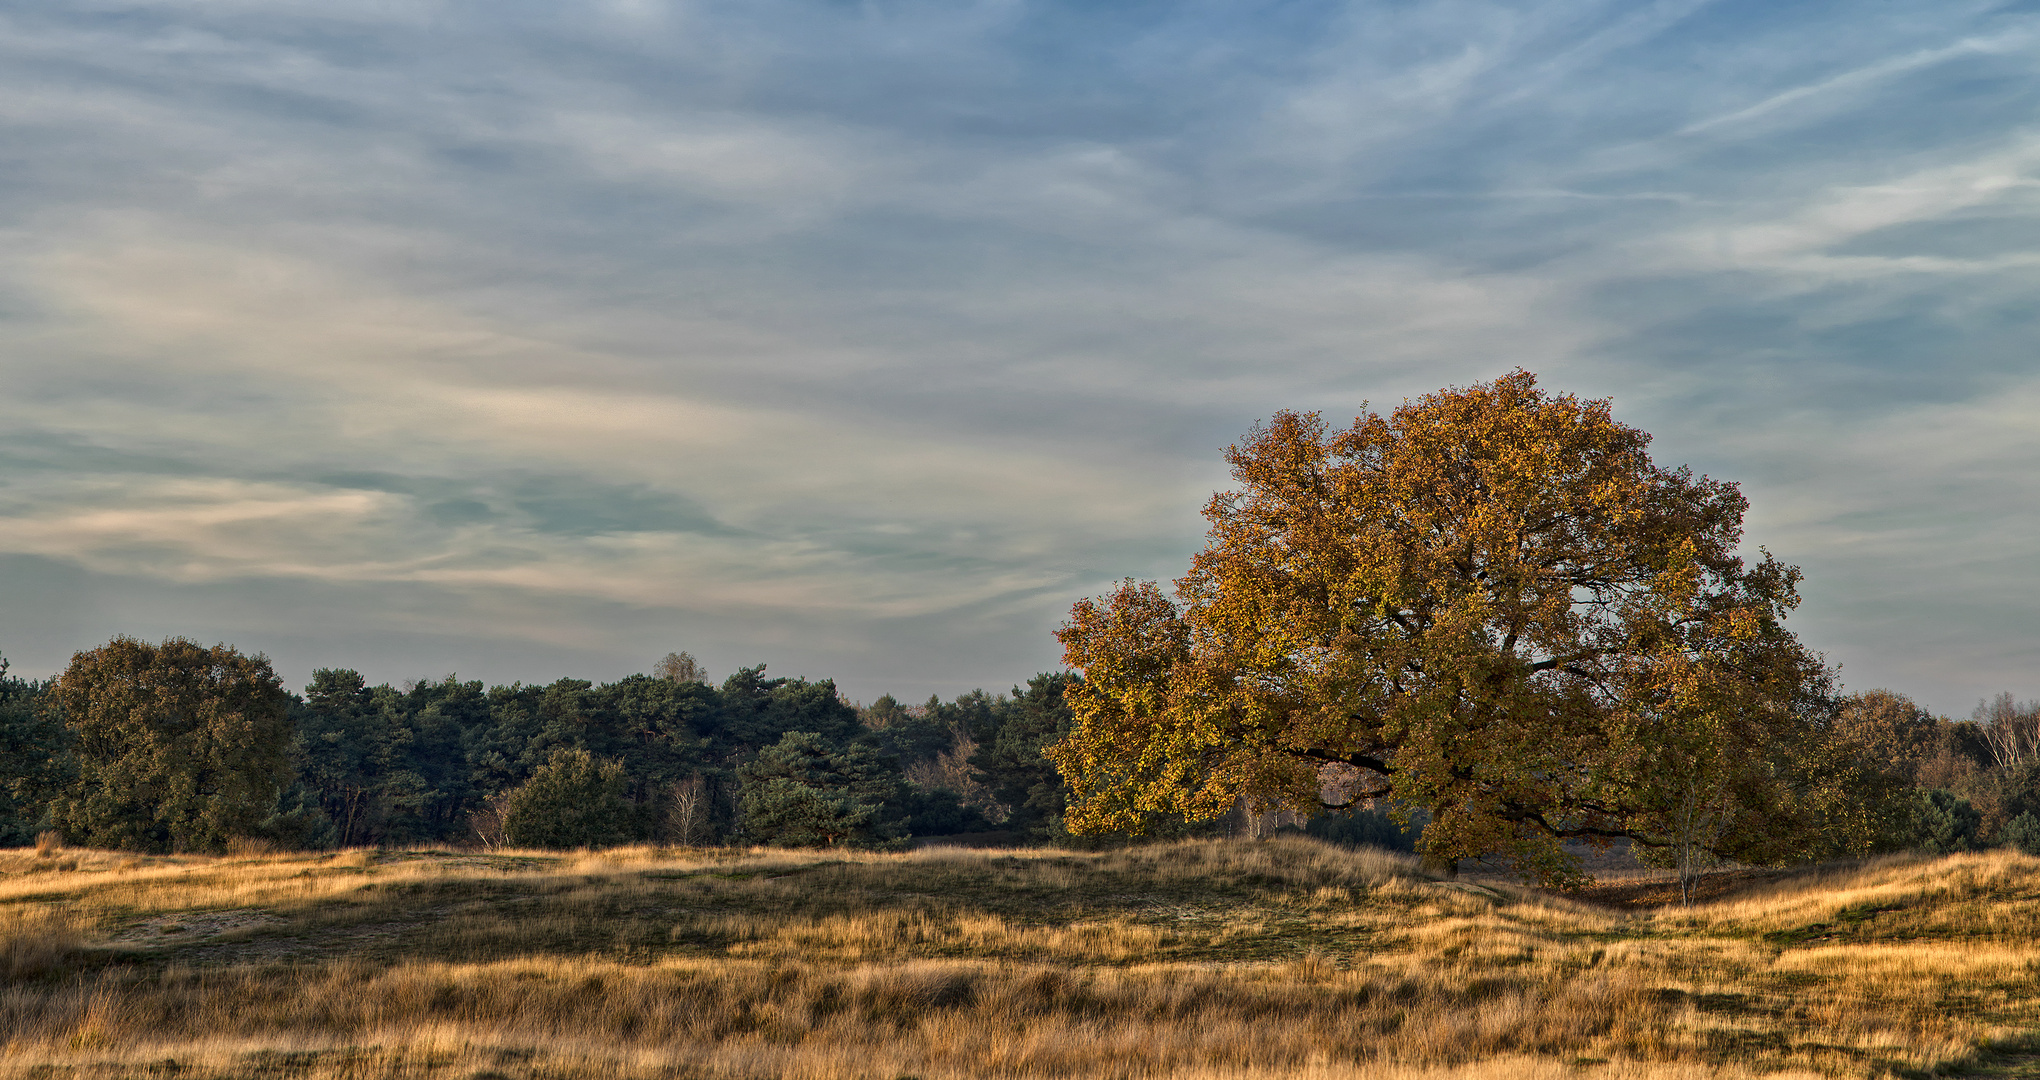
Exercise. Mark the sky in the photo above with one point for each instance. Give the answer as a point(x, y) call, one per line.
point(518, 341)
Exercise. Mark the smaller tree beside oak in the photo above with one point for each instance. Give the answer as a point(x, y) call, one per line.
point(573, 800)
point(178, 747)
point(1490, 604)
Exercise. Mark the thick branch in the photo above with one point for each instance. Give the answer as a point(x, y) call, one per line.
point(1357, 796)
point(1565, 661)
point(1358, 761)
point(1536, 817)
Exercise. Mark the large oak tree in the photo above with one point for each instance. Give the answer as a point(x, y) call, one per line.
point(1490, 604)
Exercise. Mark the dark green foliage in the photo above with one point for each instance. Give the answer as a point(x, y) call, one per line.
point(941, 812)
point(2023, 833)
point(178, 746)
point(654, 727)
point(782, 761)
point(885, 712)
point(1368, 827)
point(910, 735)
point(1011, 764)
point(504, 751)
point(431, 792)
point(574, 800)
point(394, 766)
point(387, 765)
point(426, 762)
point(34, 762)
point(411, 765)
point(1955, 758)
point(804, 791)
point(299, 823)
point(1943, 822)
point(2003, 795)
point(645, 722)
point(756, 711)
point(977, 713)
point(336, 747)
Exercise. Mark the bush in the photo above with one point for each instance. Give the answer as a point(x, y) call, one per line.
point(574, 800)
point(2022, 832)
point(299, 823)
point(1944, 822)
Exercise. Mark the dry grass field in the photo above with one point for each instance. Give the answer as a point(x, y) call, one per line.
point(1227, 959)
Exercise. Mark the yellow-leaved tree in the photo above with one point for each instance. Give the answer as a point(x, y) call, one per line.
point(1490, 604)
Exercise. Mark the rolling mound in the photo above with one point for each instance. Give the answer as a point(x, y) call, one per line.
point(1235, 959)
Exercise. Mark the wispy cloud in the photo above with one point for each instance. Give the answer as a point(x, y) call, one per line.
point(2021, 39)
point(864, 338)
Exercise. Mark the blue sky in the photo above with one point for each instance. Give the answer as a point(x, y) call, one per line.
point(522, 340)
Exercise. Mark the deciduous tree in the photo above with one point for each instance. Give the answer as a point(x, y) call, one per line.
point(1894, 731)
point(178, 746)
point(1493, 604)
point(680, 667)
point(2011, 729)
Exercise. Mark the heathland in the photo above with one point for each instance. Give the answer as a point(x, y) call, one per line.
point(1202, 958)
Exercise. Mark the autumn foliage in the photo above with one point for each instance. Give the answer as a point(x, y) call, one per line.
point(1491, 604)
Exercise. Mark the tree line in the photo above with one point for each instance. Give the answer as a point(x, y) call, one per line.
point(178, 746)
point(1964, 785)
point(182, 747)
point(1487, 611)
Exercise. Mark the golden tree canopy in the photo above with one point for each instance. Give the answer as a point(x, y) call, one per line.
point(1490, 604)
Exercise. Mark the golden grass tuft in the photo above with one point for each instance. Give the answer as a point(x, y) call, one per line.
point(36, 942)
point(1200, 959)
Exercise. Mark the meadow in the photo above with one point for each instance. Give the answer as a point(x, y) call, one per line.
point(1235, 959)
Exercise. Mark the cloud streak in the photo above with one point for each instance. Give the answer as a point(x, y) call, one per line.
point(526, 341)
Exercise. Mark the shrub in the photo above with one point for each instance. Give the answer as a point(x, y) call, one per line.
point(299, 824)
point(574, 800)
point(1944, 822)
point(2023, 832)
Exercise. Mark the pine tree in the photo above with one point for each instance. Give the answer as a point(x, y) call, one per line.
point(574, 800)
point(803, 791)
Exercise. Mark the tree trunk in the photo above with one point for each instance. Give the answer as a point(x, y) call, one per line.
point(1442, 867)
